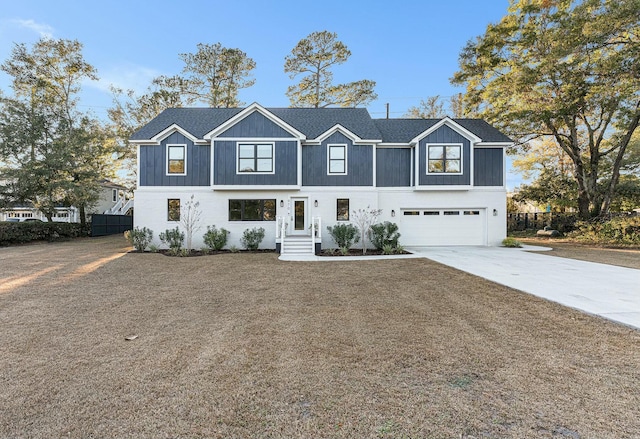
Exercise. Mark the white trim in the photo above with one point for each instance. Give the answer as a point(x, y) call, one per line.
point(305, 189)
point(493, 144)
point(248, 111)
point(166, 170)
point(299, 163)
point(451, 124)
point(346, 152)
point(448, 187)
point(254, 143)
point(444, 158)
point(345, 132)
point(168, 189)
point(264, 187)
point(137, 166)
point(254, 139)
point(393, 146)
point(158, 138)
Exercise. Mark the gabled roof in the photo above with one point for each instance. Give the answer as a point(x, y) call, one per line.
point(197, 121)
point(405, 130)
point(316, 121)
point(313, 123)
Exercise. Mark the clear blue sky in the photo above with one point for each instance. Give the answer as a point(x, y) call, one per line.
point(410, 48)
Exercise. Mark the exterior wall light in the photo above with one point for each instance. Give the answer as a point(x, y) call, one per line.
point(281, 203)
point(495, 212)
point(315, 203)
point(393, 213)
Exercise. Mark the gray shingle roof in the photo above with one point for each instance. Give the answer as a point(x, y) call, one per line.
point(197, 121)
point(405, 130)
point(313, 122)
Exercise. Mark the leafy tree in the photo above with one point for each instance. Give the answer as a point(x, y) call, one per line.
point(52, 153)
point(364, 219)
point(434, 108)
point(314, 57)
point(564, 70)
point(130, 112)
point(215, 74)
point(550, 188)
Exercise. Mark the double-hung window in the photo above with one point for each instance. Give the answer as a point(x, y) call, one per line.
point(337, 159)
point(444, 159)
point(176, 159)
point(255, 158)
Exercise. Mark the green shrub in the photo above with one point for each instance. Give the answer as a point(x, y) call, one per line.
point(216, 239)
point(19, 233)
point(344, 235)
point(622, 230)
point(511, 243)
point(139, 238)
point(387, 249)
point(251, 238)
point(173, 238)
point(384, 234)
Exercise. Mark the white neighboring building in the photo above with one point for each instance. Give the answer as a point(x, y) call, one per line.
point(112, 200)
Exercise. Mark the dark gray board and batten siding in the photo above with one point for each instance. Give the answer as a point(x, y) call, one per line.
point(488, 167)
point(255, 126)
point(153, 164)
point(393, 167)
point(285, 163)
point(359, 164)
point(444, 134)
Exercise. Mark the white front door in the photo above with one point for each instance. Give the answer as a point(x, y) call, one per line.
point(299, 214)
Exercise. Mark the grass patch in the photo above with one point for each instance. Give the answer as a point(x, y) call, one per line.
point(246, 345)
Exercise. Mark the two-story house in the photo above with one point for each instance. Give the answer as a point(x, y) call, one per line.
point(294, 171)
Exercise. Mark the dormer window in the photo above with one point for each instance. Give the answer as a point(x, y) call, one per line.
point(337, 160)
point(444, 159)
point(255, 158)
point(176, 159)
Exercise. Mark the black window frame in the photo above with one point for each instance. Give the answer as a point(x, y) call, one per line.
point(173, 212)
point(444, 160)
point(255, 157)
point(242, 207)
point(345, 214)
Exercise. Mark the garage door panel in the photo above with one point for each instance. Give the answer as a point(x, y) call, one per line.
point(447, 227)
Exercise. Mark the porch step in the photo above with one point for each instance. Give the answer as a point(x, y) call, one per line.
point(297, 245)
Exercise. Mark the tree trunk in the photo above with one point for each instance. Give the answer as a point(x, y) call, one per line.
point(617, 164)
point(83, 216)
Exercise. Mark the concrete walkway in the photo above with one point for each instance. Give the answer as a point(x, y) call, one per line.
point(605, 290)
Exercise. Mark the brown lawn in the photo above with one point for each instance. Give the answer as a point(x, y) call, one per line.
point(244, 345)
point(623, 257)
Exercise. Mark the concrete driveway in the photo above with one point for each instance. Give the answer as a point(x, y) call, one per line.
point(605, 290)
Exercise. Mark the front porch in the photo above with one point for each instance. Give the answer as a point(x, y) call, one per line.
point(297, 238)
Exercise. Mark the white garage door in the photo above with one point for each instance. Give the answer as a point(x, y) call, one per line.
point(443, 226)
